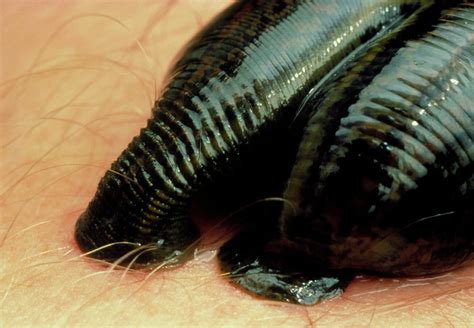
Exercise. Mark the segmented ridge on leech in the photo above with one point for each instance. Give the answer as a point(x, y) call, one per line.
point(222, 103)
point(413, 110)
point(143, 205)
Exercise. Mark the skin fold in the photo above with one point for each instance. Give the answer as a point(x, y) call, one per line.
point(78, 80)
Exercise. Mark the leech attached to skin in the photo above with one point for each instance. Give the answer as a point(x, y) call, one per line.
point(383, 146)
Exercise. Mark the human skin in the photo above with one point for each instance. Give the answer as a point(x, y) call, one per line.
point(78, 80)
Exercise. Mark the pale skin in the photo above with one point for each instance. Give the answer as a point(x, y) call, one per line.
point(78, 80)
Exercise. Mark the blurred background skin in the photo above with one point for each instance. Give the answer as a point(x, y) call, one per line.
point(78, 79)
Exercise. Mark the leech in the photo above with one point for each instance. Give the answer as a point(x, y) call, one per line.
point(366, 154)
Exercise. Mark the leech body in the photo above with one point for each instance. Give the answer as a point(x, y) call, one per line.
point(392, 189)
point(384, 184)
point(246, 76)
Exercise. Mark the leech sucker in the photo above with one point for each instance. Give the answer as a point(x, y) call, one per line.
point(384, 177)
point(239, 80)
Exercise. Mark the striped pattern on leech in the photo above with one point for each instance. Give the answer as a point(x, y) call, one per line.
point(420, 106)
point(330, 102)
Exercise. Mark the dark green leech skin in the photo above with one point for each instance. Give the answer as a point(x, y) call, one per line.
point(240, 79)
point(393, 192)
point(386, 185)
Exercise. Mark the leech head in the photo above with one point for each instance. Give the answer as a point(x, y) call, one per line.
point(135, 206)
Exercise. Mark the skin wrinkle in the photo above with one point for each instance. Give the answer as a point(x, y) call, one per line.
point(73, 92)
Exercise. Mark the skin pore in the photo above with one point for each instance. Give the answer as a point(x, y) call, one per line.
point(78, 79)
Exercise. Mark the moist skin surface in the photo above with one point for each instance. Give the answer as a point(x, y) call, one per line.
point(75, 88)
